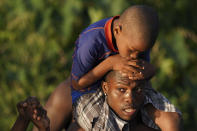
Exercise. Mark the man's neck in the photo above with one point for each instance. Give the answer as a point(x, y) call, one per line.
point(121, 123)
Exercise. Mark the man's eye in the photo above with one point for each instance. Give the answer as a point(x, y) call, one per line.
point(138, 89)
point(121, 89)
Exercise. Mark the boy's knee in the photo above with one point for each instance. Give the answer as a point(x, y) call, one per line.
point(59, 106)
point(61, 97)
point(171, 121)
point(167, 121)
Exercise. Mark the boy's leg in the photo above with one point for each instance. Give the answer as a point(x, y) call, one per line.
point(163, 113)
point(142, 127)
point(74, 126)
point(59, 107)
point(167, 121)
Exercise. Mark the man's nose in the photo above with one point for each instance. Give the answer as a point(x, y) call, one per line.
point(128, 97)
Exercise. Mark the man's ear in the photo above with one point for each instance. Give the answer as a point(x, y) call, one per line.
point(105, 87)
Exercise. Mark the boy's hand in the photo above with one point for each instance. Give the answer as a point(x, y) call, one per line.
point(146, 70)
point(134, 69)
point(124, 65)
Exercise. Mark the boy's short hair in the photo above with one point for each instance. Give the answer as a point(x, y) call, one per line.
point(142, 20)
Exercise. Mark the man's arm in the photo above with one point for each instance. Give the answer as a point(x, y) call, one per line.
point(22, 120)
point(31, 110)
point(21, 124)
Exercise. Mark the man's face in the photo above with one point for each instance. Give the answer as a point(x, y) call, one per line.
point(125, 97)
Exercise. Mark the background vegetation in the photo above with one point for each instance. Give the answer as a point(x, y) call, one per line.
point(37, 39)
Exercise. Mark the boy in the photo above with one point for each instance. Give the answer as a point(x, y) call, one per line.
point(31, 110)
point(111, 44)
point(131, 35)
point(120, 43)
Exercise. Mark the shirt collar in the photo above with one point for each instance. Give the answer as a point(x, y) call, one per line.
point(108, 34)
point(121, 123)
point(111, 117)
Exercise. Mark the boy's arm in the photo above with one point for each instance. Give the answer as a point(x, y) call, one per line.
point(142, 127)
point(93, 75)
point(74, 126)
point(134, 69)
point(115, 62)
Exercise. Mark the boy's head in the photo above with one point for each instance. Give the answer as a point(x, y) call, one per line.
point(136, 30)
point(124, 96)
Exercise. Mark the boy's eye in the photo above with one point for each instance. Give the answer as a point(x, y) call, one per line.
point(141, 55)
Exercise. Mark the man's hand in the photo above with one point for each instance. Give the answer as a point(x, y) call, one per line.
point(31, 110)
point(40, 119)
point(25, 108)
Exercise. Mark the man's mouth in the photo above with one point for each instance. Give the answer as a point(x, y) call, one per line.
point(129, 111)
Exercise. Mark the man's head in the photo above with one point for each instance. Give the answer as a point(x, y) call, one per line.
point(124, 96)
point(136, 30)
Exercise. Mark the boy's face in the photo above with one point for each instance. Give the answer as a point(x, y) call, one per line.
point(124, 96)
point(129, 45)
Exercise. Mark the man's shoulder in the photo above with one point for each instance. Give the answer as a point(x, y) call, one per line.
point(92, 98)
point(90, 102)
point(87, 108)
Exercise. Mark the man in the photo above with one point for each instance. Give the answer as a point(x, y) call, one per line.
point(95, 55)
point(117, 107)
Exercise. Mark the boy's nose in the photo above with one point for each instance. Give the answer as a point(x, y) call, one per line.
point(134, 55)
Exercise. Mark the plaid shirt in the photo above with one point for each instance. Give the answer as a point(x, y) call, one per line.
point(92, 112)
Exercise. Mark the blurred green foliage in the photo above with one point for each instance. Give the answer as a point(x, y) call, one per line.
point(37, 40)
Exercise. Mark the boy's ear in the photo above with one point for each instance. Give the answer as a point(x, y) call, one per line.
point(117, 29)
point(105, 87)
